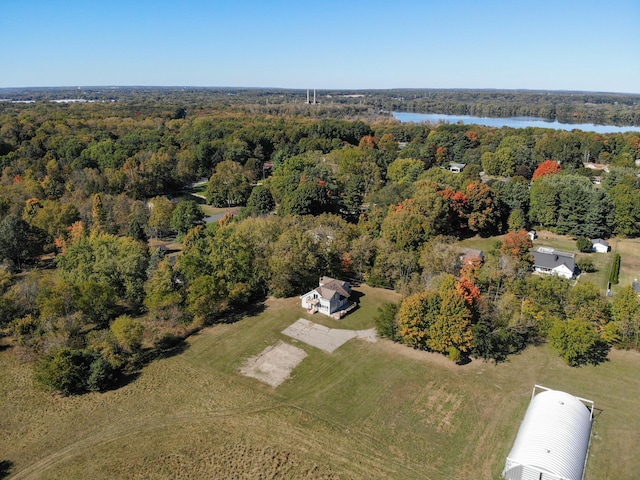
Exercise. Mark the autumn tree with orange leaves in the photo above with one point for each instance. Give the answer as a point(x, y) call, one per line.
point(440, 320)
point(548, 167)
point(517, 245)
point(485, 214)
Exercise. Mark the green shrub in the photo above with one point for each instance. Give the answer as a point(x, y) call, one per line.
point(586, 265)
point(584, 245)
point(64, 370)
point(615, 270)
point(454, 354)
point(385, 320)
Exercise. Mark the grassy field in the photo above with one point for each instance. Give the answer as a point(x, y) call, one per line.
point(366, 411)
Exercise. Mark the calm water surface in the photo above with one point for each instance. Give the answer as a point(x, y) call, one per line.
point(514, 122)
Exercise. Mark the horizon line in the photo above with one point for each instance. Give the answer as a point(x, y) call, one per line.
point(240, 87)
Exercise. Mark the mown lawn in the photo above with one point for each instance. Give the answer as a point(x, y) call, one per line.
point(366, 411)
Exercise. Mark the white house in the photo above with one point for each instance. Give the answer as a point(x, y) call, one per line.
point(553, 439)
point(554, 262)
point(600, 246)
point(329, 297)
point(456, 167)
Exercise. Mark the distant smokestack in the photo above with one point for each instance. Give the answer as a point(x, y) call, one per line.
point(307, 95)
point(314, 96)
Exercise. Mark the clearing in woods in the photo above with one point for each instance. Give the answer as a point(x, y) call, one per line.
point(367, 410)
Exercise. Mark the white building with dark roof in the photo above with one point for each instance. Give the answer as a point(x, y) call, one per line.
point(553, 439)
point(554, 262)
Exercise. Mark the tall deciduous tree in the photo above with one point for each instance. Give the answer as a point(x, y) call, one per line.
point(626, 201)
point(229, 185)
point(625, 313)
point(548, 167)
point(293, 264)
point(260, 200)
point(416, 315)
point(485, 213)
point(185, 216)
point(161, 214)
point(578, 342)
point(117, 263)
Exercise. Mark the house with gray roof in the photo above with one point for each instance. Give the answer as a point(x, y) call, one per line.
point(456, 167)
point(599, 245)
point(330, 296)
point(554, 262)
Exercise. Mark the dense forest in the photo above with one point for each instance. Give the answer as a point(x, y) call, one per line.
point(335, 189)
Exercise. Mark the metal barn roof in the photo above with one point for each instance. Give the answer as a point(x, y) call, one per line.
point(553, 439)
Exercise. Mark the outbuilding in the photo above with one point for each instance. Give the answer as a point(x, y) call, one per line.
point(456, 167)
point(553, 439)
point(599, 245)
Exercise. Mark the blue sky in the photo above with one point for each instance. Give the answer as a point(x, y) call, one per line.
point(556, 45)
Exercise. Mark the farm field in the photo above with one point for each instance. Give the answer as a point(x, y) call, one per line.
point(368, 410)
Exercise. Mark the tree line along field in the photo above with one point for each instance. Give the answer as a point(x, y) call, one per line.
point(367, 410)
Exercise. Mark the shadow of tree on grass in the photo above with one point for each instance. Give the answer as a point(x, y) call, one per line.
point(5, 468)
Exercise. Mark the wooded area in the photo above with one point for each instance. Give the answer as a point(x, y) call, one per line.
point(336, 190)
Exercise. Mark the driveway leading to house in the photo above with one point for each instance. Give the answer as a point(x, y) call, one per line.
point(324, 338)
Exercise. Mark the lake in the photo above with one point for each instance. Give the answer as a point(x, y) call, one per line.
point(514, 122)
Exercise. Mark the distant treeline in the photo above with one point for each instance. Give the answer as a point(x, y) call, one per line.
point(568, 107)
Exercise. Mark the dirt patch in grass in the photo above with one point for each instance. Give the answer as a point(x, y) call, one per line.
point(274, 364)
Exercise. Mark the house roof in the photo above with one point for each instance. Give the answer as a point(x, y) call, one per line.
point(600, 242)
point(328, 286)
point(550, 258)
point(459, 166)
point(469, 253)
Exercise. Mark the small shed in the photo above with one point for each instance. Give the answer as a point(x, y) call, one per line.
point(600, 246)
point(553, 439)
point(456, 167)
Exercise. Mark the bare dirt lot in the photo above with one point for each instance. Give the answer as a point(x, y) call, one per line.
point(274, 364)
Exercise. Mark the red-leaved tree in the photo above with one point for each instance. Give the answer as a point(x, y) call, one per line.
point(548, 167)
